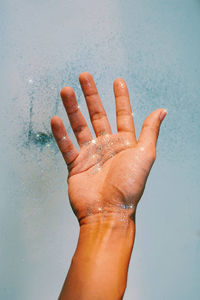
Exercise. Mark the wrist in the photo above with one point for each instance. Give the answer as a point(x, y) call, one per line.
point(115, 216)
point(108, 228)
point(106, 234)
point(108, 225)
point(104, 250)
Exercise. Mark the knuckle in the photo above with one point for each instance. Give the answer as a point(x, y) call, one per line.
point(78, 129)
point(91, 95)
point(72, 109)
point(154, 129)
point(98, 116)
point(123, 112)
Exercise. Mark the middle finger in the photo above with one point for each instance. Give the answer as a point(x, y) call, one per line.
point(96, 110)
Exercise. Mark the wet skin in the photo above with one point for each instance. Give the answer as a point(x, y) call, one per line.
point(109, 172)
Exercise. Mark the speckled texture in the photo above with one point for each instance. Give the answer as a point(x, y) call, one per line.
point(152, 44)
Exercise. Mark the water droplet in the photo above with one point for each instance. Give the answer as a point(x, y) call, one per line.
point(98, 167)
point(64, 138)
point(122, 84)
point(127, 206)
point(127, 143)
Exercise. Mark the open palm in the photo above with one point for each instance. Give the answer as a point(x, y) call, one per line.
point(108, 173)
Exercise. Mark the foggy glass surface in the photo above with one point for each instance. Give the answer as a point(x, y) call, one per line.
point(44, 45)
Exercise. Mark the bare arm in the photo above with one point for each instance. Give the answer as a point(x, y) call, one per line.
point(100, 264)
point(105, 182)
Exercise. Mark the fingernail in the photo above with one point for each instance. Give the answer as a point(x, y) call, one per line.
point(163, 114)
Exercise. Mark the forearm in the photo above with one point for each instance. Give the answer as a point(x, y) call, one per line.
point(100, 264)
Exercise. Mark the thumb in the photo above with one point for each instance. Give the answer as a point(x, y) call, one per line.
point(151, 126)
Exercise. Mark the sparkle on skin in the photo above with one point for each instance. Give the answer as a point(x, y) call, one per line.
point(98, 167)
point(88, 83)
point(127, 143)
point(122, 84)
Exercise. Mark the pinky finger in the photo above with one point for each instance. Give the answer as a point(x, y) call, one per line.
point(64, 143)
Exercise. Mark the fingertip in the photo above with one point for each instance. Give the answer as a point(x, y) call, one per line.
point(118, 82)
point(163, 114)
point(155, 115)
point(120, 86)
point(56, 122)
point(67, 92)
point(85, 76)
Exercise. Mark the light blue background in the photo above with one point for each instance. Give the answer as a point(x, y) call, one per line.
point(44, 45)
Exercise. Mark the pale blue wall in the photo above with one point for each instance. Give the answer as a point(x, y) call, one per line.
point(44, 45)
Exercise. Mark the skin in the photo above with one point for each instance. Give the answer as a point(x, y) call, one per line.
point(106, 180)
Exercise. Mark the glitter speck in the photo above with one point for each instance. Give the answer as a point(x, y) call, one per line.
point(30, 81)
point(93, 142)
point(127, 143)
point(98, 167)
point(127, 206)
point(122, 84)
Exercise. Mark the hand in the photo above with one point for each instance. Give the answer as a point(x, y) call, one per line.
point(109, 173)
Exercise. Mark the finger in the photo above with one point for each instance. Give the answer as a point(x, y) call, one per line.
point(151, 126)
point(96, 110)
point(77, 121)
point(123, 108)
point(65, 145)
